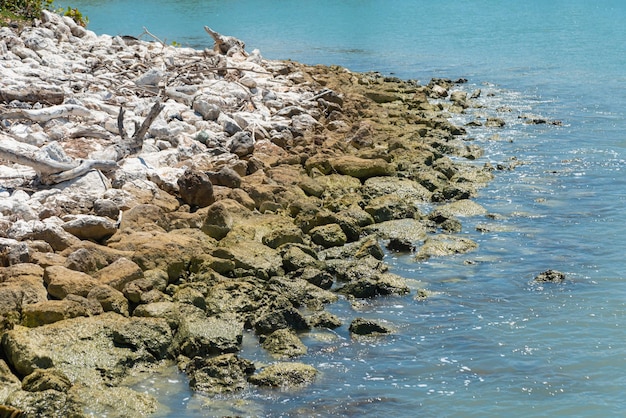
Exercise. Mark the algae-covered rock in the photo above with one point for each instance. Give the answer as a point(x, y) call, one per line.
point(201, 336)
point(50, 311)
point(388, 207)
point(284, 343)
point(111, 300)
point(222, 374)
point(284, 375)
point(8, 382)
point(46, 379)
point(550, 276)
point(92, 350)
point(62, 281)
point(362, 326)
point(330, 235)
point(361, 168)
point(444, 245)
point(276, 319)
point(324, 319)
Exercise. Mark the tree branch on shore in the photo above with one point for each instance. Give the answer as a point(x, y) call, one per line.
point(51, 171)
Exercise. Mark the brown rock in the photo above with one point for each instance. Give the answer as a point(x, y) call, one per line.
point(90, 227)
point(62, 281)
point(119, 273)
point(196, 189)
point(51, 311)
point(110, 299)
point(144, 217)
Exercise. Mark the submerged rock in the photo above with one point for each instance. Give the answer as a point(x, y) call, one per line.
point(362, 326)
point(550, 276)
point(284, 375)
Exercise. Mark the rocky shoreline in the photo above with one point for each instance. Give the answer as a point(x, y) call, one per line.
point(157, 201)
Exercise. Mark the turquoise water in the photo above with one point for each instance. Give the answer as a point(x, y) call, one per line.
point(489, 343)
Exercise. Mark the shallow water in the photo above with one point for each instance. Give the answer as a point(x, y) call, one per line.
point(488, 343)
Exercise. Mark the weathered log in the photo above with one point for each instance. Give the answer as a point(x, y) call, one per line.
point(48, 95)
point(226, 44)
point(14, 151)
point(47, 113)
point(83, 168)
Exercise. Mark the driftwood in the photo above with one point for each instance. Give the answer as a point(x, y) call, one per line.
point(47, 113)
point(50, 96)
point(51, 171)
point(226, 44)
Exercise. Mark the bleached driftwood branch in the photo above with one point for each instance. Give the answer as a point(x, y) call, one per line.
point(51, 171)
point(47, 113)
point(48, 170)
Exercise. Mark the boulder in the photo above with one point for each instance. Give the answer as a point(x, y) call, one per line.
point(225, 373)
point(196, 189)
point(250, 257)
point(284, 343)
point(89, 350)
point(8, 382)
point(330, 235)
point(325, 319)
point(276, 319)
point(201, 336)
point(284, 375)
point(444, 245)
point(62, 281)
point(390, 207)
point(118, 274)
point(46, 379)
point(218, 220)
point(172, 252)
point(90, 227)
point(226, 177)
point(50, 311)
point(362, 326)
point(21, 284)
point(550, 276)
point(361, 168)
point(144, 217)
point(110, 299)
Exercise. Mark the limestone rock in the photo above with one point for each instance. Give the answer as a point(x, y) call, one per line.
point(90, 227)
point(390, 207)
point(21, 284)
point(444, 245)
point(200, 336)
point(110, 299)
point(46, 379)
point(8, 382)
point(145, 216)
point(284, 343)
point(361, 168)
point(362, 326)
point(119, 273)
point(62, 281)
point(222, 374)
point(196, 189)
point(280, 319)
point(285, 375)
point(88, 350)
point(330, 235)
point(550, 276)
point(51, 311)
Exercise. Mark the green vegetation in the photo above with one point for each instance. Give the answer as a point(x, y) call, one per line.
point(27, 10)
